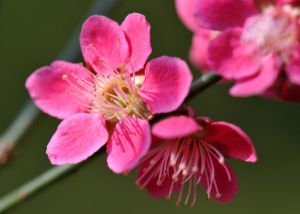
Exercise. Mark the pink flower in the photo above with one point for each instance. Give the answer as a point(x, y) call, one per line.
point(112, 99)
point(201, 38)
point(191, 152)
point(259, 47)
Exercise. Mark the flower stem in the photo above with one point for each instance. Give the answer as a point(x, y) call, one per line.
point(202, 83)
point(10, 137)
point(33, 186)
point(18, 127)
point(54, 173)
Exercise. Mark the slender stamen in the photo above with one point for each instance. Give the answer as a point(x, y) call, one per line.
point(183, 162)
point(81, 90)
point(171, 190)
point(188, 193)
point(215, 152)
point(180, 194)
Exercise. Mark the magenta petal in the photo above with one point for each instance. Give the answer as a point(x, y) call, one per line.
point(166, 85)
point(289, 93)
point(130, 141)
point(54, 95)
point(284, 90)
point(222, 14)
point(77, 138)
point(293, 68)
point(185, 10)
point(286, 1)
point(199, 50)
point(103, 44)
point(155, 190)
point(175, 127)
point(231, 140)
point(258, 84)
point(226, 187)
point(137, 31)
point(231, 60)
point(162, 190)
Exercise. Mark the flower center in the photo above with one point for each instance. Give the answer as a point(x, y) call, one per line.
point(114, 96)
point(183, 163)
point(273, 31)
point(117, 95)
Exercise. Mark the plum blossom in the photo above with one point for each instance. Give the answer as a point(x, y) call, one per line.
point(201, 38)
point(190, 152)
point(259, 48)
point(111, 99)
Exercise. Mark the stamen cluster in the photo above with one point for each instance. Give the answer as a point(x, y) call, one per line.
point(185, 162)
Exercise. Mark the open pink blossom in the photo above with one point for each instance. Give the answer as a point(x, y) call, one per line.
point(112, 99)
point(260, 46)
point(192, 152)
point(201, 38)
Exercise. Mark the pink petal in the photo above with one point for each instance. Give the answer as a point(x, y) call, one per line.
point(137, 31)
point(77, 138)
point(175, 127)
point(258, 84)
point(231, 59)
point(222, 14)
point(293, 68)
point(199, 50)
point(185, 10)
point(103, 44)
point(231, 140)
point(54, 95)
point(226, 187)
point(130, 141)
point(166, 85)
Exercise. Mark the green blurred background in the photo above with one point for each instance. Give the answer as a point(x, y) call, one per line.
point(32, 33)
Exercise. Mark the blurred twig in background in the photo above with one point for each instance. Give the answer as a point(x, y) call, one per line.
point(34, 185)
point(10, 137)
point(15, 131)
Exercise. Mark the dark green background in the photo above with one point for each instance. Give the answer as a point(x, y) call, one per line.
point(32, 33)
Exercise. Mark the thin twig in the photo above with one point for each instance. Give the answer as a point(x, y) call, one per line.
point(203, 83)
point(10, 137)
point(53, 174)
point(34, 185)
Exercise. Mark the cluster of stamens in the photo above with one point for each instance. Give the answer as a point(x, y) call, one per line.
point(185, 163)
point(114, 96)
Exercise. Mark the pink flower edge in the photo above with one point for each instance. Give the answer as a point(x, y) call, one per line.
point(166, 85)
point(77, 138)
